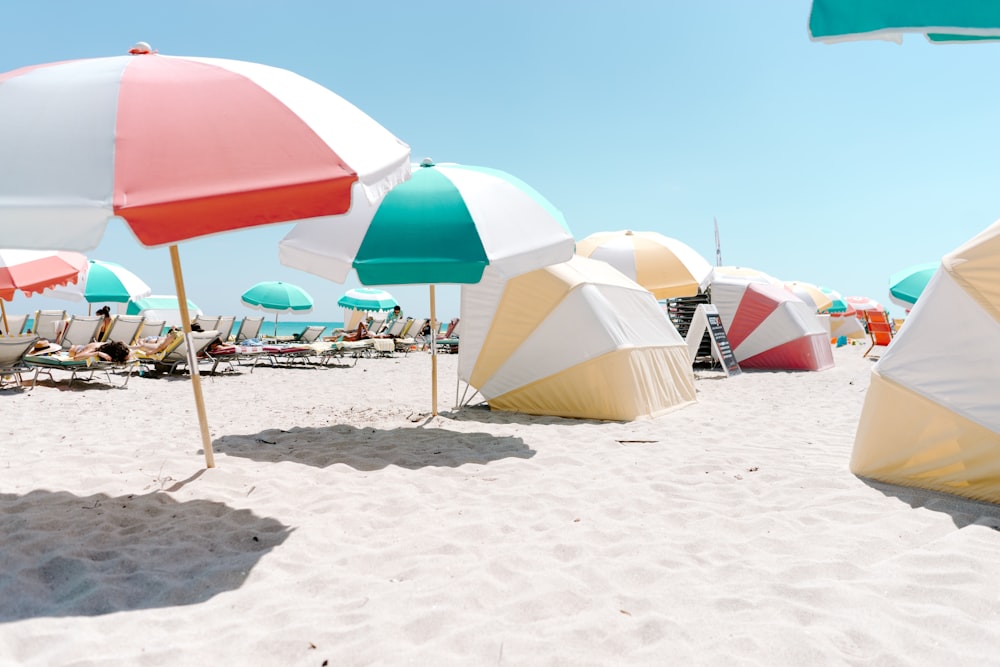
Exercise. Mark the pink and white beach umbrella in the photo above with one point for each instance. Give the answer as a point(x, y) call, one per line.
point(863, 303)
point(178, 148)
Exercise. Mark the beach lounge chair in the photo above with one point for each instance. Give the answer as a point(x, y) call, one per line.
point(83, 369)
point(175, 357)
point(80, 330)
point(449, 341)
point(225, 327)
point(13, 350)
point(880, 329)
point(207, 322)
point(125, 328)
point(345, 349)
point(48, 323)
point(151, 328)
point(406, 339)
point(249, 328)
point(310, 334)
point(15, 325)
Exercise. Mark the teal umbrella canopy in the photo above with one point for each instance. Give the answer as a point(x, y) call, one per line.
point(939, 20)
point(104, 282)
point(367, 298)
point(278, 297)
point(906, 286)
point(838, 304)
point(443, 226)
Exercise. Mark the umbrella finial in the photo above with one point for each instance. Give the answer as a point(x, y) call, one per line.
point(427, 162)
point(141, 48)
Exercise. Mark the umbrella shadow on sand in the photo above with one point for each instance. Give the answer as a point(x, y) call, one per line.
point(963, 511)
point(68, 555)
point(369, 449)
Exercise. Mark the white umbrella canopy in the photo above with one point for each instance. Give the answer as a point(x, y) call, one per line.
point(178, 148)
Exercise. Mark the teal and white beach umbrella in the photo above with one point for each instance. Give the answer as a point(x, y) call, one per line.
point(104, 282)
point(367, 298)
point(906, 286)
point(443, 226)
point(834, 21)
point(274, 296)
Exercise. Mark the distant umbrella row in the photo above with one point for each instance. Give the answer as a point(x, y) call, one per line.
point(669, 268)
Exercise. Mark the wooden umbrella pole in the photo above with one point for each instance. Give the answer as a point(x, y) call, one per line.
point(199, 400)
point(3, 311)
point(434, 359)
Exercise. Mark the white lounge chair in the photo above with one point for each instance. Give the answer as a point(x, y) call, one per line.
point(249, 328)
point(80, 330)
point(12, 364)
point(125, 328)
point(48, 323)
point(15, 325)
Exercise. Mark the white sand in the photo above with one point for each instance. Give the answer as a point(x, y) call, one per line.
point(341, 526)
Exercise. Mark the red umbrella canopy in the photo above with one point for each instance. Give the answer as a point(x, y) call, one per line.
point(32, 271)
point(179, 147)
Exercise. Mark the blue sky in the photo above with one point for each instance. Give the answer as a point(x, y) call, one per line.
point(836, 165)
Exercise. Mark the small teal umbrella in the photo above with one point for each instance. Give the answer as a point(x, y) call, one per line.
point(906, 286)
point(276, 297)
point(838, 304)
point(367, 298)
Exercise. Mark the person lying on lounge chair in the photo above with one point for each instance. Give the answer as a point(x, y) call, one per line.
point(156, 344)
point(361, 333)
point(115, 351)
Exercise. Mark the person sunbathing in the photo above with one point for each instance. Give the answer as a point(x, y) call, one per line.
point(156, 344)
point(115, 351)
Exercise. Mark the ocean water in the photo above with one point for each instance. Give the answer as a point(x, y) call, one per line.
point(290, 328)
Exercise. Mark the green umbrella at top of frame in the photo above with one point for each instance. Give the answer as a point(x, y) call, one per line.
point(834, 21)
point(274, 296)
point(907, 285)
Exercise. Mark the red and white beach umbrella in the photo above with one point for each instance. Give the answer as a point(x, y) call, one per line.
point(33, 271)
point(179, 148)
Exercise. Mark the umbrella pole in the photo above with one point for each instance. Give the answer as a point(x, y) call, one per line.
point(276, 326)
point(434, 359)
point(3, 312)
point(199, 400)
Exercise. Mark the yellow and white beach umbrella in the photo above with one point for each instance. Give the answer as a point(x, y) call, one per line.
point(663, 265)
point(576, 339)
point(811, 294)
point(931, 417)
